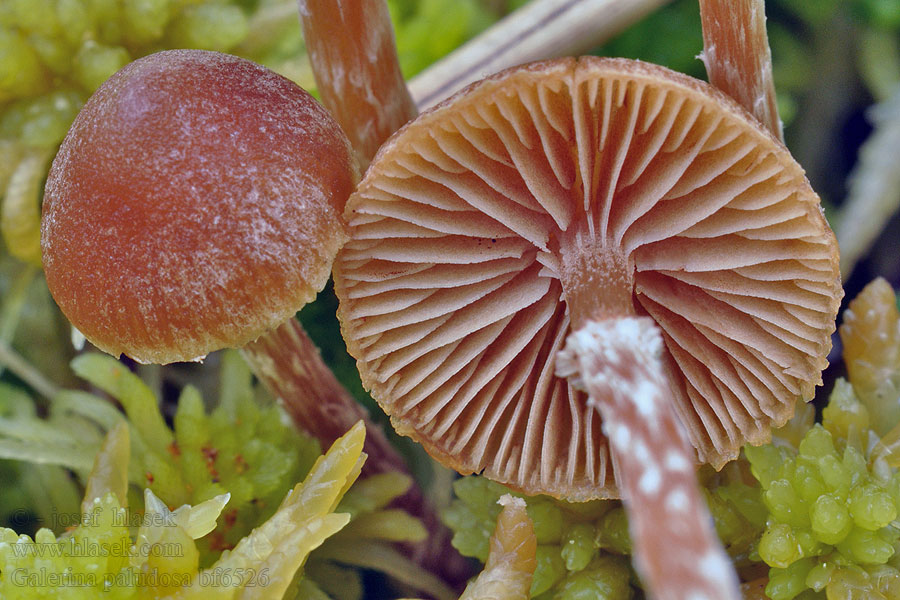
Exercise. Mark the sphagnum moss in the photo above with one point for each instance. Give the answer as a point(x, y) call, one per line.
point(240, 459)
point(811, 515)
point(104, 557)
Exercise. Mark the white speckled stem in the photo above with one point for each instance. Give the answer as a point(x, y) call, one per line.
point(677, 553)
point(737, 56)
point(289, 364)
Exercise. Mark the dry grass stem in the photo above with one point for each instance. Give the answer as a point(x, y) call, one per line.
point(541, 29)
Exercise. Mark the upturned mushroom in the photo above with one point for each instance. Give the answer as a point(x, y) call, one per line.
point(568, 271)
point(194, 205)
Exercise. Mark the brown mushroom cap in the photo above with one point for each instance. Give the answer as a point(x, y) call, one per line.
point(472, 228)
point(194, 204)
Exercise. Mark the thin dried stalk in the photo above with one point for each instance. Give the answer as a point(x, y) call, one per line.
point(737, 56)
point(542, 29)
point(874, 186)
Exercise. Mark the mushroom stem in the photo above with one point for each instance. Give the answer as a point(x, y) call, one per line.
point(737, 56)
point(290, 366)
point(618, 362)
point(354, 59)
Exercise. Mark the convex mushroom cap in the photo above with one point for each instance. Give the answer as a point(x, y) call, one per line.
point(570, 190)
point(194, 204)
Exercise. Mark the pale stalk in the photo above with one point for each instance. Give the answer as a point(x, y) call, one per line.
point(874, 194)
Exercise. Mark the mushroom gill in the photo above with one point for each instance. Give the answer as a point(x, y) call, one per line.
point(575, 190)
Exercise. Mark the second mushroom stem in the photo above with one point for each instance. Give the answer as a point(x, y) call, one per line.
point(289, 364)
point(619, 363)
point(354, 60)
point(737, 56)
